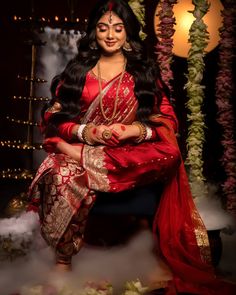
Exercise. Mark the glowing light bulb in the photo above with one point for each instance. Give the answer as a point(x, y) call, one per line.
point(184, 20)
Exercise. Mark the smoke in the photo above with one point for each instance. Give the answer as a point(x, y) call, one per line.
point(59, 48)
point(212, 212)
point(116, 265)
point(19, 225)
point(17, 234)
point(52, 58)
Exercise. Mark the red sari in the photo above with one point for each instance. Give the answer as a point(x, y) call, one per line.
point(64, 189)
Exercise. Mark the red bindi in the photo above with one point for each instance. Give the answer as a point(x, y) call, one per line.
point(122, 127)
point(110, 6)
point(94, 130)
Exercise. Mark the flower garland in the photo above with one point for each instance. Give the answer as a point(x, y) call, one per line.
point(224, 92)
point(130, 288)
point(134, 288)
point(198, 37)
point(165, 44)
point(139, 10)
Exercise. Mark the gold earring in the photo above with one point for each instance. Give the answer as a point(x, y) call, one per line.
point(93, 45)
point(127, 46)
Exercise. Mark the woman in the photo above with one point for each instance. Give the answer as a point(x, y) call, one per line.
point(109, 105)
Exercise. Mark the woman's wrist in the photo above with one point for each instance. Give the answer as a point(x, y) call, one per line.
point(85, 134)
point(142, 131)
point(145, 132)
point(79, 132)
point(149, 133)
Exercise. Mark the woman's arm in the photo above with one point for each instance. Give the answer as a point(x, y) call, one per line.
point(134, 163)
point(94, 135)
point(114, 169)
point(58, 145)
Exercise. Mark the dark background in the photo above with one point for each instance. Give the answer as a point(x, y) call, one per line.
point(15, 56)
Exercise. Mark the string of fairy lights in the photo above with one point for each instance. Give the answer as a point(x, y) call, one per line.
point(33, 98)
point(18, 144)
point(23, 122)
point(30, 79)
point(17, 173)
point(32, 24)
point(66, 24)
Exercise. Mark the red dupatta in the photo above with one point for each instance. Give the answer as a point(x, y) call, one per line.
point(182, 236)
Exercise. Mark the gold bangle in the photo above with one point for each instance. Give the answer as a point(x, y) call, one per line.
point(85, 134)
point(143, 131)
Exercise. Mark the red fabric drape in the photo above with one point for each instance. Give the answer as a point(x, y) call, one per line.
point(178, 229)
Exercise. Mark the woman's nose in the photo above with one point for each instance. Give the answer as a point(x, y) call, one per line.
point(110, 34)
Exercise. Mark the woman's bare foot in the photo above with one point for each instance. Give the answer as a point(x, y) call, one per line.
point(63, 267)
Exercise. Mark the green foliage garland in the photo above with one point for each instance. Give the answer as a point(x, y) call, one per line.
point(198, 37)
point(139, 10)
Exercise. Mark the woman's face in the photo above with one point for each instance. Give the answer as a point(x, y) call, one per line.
point(110, 33)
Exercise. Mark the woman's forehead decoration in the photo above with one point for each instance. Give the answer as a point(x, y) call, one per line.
point(110, 7)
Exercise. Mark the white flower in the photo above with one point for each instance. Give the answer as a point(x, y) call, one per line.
point(35, 290)
point(134, 288)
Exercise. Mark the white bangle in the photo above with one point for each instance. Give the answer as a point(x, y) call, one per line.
point(80, 132)
point(148, 133)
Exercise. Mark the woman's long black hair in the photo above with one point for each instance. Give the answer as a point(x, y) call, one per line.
point(144, 70)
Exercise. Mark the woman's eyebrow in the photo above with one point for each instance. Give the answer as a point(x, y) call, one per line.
point(107, 25)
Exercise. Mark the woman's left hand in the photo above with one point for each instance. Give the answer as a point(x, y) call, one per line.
point(125, 132)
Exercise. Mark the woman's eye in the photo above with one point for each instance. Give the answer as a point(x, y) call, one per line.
point(102, 29)
point(118, 29)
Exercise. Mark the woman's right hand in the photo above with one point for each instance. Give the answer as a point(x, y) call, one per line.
point(103, 134)
point(50, 144)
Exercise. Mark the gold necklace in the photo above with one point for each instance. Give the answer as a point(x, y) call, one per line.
point(117, 93)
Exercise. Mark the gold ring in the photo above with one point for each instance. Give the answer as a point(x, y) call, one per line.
point(106, 134)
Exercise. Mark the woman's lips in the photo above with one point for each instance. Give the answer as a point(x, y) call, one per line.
point(110, 44)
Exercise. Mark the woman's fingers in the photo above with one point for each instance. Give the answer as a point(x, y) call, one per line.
point(49, 148)
point(104, 134)
point(50, 144)
point(116, 134)
point(113, 140)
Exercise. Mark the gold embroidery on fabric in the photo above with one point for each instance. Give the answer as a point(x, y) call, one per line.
point(55, 222)
point(126, 91)
point(64, 171)
point(64, 189)
point(201, 237)
point(95, 167)
point(127, 116)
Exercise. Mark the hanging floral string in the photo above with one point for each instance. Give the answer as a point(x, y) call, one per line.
point(198, 37)
point(165, 32)
point(139, 10)
point(224, 93)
